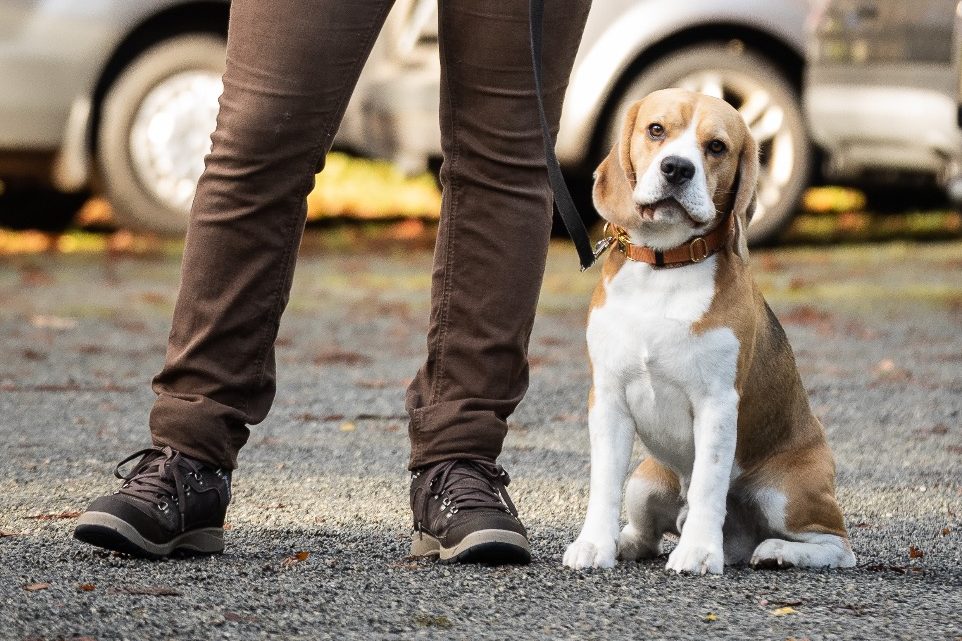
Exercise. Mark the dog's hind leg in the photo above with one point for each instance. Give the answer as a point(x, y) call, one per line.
point(797, 501)
point(653, 501)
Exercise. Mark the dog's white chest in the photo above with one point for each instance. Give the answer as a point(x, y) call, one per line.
point(645, 354)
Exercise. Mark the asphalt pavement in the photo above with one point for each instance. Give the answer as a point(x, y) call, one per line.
point(318, 532)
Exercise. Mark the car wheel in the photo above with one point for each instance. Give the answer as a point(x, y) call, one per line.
point(155, 131)
point(767, 102)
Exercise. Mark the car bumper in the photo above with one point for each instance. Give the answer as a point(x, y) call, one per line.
point(873, 127)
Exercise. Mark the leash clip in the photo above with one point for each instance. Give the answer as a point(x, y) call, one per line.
point(602, 246)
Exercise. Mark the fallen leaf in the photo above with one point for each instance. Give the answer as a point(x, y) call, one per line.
point(91, 349)
point(945, 531)
point(239, 618)
point(34, 355)
point(887, 370)
point(228, 526)
point(309, 417)
point(787, 602)
point(432, 621)
point(54, 517)
point(377, 383)
point(348, 426)
point(711, 616)
point(86, 587)
point(294, 559)
point(939, 429)
point(915, 553)
point(781, 612)
point(6, 533)
point(43, 321)
point(154, 298)
point(34, 587)
point(809, 316)
point(340, 357)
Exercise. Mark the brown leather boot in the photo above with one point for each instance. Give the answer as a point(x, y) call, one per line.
point(463, 514)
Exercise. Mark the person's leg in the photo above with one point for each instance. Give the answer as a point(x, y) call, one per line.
point(489, 263)
point(291, 68)
point(495, 222)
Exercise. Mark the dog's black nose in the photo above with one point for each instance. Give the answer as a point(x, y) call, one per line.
point(677, 170)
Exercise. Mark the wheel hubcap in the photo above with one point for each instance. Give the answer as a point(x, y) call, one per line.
point(171, 135)
point(768, 123)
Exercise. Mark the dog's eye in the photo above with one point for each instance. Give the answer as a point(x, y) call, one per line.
point(717, 147)
point(655, 130)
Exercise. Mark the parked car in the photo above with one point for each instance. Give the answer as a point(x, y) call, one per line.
point(882, 92)
point(119, 96)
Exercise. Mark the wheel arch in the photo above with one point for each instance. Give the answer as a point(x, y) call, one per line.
point(202, 16)
point(782, 54)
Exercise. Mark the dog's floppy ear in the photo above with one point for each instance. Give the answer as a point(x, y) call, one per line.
point(746, 195)
point(615, 176)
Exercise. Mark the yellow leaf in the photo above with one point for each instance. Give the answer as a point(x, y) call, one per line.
point(348, 427)
point(711, 616)
point(780, 612)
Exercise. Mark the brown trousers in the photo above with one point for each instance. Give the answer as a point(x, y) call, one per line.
point(291, 68)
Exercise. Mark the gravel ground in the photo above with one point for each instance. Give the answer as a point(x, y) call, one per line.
point(876, 329)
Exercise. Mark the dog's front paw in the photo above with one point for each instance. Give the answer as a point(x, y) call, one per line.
point(585, 553)
point(696, 557)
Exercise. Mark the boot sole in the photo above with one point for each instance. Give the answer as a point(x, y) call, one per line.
point(112, 533)
point(489, 547)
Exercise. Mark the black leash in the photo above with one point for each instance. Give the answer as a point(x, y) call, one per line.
point(562, 197)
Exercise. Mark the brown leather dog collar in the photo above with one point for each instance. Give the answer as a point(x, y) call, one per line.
point(693, 251)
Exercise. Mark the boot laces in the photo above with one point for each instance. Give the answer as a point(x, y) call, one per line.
point(470, 484)
point(160, 475)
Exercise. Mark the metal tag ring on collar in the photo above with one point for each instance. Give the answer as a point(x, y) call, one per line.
point(704, 249)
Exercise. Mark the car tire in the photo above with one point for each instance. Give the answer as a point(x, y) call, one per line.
point(154, 131)
point(739, 74)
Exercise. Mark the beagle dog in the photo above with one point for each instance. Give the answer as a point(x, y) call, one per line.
point(686, 353)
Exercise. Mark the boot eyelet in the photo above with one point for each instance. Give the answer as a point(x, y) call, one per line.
point(163, 505)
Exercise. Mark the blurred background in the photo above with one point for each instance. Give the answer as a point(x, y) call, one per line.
point(106, 108)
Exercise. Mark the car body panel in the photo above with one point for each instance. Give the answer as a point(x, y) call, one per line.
point(882, 85)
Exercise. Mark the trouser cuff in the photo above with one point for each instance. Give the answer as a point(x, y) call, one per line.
point(199, 427)
point(454, 430)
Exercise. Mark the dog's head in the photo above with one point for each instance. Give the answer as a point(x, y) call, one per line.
point(683, 162)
